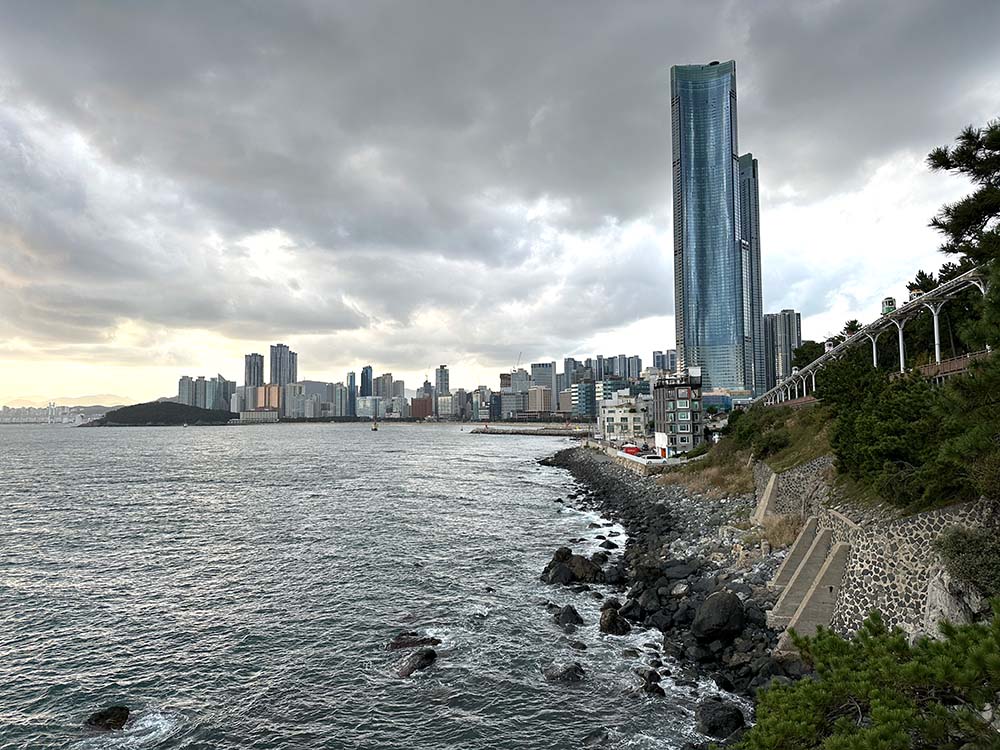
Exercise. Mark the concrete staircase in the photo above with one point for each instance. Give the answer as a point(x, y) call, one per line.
point(809, 580)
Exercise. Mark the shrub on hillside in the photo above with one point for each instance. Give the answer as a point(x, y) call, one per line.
point(878, 692)
point(770, 442)
point(973, 555)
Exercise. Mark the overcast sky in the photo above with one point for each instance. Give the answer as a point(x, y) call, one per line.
point(405, 184)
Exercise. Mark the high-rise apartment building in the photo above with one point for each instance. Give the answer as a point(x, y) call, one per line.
point(782, 336)
point(441, 385)
point(185, 391)
point(398, 389)
point(367, 387)
point(634, 367)
point(382, 386)
point(352, 395)
point(543, 374)
point(713, 276)
point(253, 370)
point(750, 232)
point(284, 365)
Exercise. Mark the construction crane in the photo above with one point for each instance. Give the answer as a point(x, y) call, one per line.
point(517, 363)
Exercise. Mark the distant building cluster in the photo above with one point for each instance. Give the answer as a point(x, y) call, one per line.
point(51, 414)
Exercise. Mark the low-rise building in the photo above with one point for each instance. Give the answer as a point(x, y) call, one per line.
point(677, 413)
point(623, 416)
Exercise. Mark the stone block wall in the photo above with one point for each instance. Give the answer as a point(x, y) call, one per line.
point(804, 489)
point(891, 568)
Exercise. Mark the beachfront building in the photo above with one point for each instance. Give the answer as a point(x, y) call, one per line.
point(678, 416)
point(625, 417)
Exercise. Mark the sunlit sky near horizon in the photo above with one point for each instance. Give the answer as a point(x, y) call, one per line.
point(409, 184)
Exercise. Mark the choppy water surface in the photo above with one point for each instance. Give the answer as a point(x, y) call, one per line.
point(236, 587)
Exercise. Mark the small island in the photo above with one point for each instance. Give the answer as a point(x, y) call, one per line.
point(162, 413)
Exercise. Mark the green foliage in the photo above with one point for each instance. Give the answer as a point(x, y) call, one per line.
point(806, 353)
point(915, 444)
point(971, 226)
point(163, 413)
point(973, 555)
point(771, 442)
point(877, 692)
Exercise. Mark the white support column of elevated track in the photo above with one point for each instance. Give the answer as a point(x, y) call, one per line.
point(932, 300)
point(935, 308)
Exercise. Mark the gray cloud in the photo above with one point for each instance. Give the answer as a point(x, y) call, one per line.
point(437, 156)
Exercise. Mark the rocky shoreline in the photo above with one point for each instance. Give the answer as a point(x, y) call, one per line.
point(683, 572)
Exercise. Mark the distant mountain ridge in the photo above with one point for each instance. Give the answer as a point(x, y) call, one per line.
point(102, 399)
point(161, 413)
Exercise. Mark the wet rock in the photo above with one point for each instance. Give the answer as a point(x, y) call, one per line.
point(568, 616)
point(597, 738)
point(611, 603)
point(630, 653)
point(110, 718)
point(613, 623)
point(718, 719)
point(631, 610)
point(571, 672)
point(608, 544)
point(417, 661)
point(680, 589)
point(578, 645)
point(565, 567)
point(720, 616)
point(411, 639)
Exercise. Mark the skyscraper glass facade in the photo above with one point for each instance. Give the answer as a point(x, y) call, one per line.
point(712, 262)
point(750, 231)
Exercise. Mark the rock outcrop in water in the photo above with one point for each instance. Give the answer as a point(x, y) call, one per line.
point(571, 672)
point(566, 567)
point(411, 639)
point(568, 616)
point(110, 718)
point(417, 661)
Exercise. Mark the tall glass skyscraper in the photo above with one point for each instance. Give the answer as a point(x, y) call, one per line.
point(713, 276)
point(750, 231)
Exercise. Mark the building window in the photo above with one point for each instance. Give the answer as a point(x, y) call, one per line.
point(683, 404)
point(684, 416)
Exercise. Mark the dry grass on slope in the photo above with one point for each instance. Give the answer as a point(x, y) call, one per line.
point(722, 472)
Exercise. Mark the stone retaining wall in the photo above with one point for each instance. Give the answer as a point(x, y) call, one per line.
point(804, 489)
point(891, 568)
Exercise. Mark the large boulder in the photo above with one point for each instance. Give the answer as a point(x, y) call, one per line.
point(613, 623)
point(718, 719)
point(568, 616)
point(571, 672)
point(720, 617)
point(112, 717)
point(418, 660)
point(631, 610)
point(565, 567)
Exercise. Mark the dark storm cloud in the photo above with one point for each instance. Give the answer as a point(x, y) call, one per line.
point(418, 155)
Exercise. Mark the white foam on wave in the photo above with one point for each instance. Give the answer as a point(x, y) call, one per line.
point(145, 729)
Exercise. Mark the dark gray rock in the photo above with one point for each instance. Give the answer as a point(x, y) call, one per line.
point(110, 718)
point(720, 616)
point(571, 672)
point(417, 661)
point(613, 623)
point(631, 610)
point(568, 616)
point(718, 719)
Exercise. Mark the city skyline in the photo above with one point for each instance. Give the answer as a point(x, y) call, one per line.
point(461, 216)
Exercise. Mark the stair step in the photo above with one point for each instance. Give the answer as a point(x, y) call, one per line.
point(817, 607)
point(801, 581)
point(794, 557)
